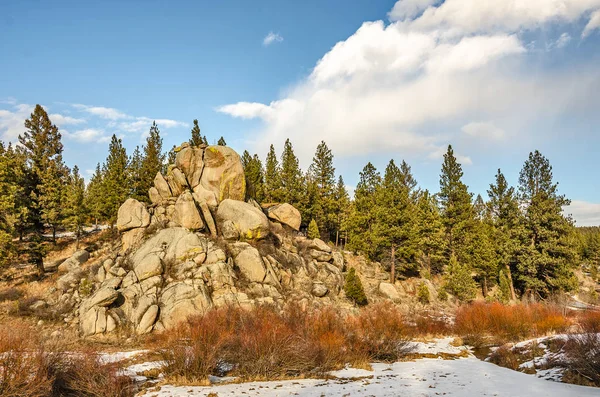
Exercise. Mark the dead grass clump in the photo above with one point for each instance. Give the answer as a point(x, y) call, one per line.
point(504, 356)
point(589, 321)
point(11, 294)
point(582, 358)
point(479, 323)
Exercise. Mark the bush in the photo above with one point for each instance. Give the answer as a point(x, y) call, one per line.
point(423, 294)
point(479, 322)
point(262, 343)
point(354, 289)
point(10, 294)
point(589, 321)
point(582, 357)
point(30, 368)
point(459, 281)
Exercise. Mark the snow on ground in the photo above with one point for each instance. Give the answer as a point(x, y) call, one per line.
point(425, 377)
point(443, 345)
point(108, 358)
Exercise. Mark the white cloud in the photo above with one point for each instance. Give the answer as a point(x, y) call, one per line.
point(272, 38)
point(102, 112)
point(593, 24)
point(387, 87)
point(61, 120)
point(584, 213)
point(483, 130)
point(143, 124)
point(12, 122)
point(87, 135)
point(563, 40)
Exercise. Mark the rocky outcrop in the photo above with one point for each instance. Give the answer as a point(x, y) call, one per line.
point(74, 262)
point(197, 246)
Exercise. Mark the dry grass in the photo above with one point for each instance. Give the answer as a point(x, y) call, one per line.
point(29, 367)
point(480, 323)
point(263, 343)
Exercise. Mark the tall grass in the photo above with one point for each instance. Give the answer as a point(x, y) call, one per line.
point(480, 323)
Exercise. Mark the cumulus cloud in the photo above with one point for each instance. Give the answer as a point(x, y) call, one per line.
point(272, 38)
point(388, 86)
point(11, 121)
point(87, 135)
point(584, 213)
point(61, 120)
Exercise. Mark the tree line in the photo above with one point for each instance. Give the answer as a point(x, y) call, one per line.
point(517, 239)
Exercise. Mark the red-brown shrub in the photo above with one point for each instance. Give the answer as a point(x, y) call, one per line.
point(589, 321)
point(478, 322)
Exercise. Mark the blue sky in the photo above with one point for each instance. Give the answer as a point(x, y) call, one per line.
point(375, 79)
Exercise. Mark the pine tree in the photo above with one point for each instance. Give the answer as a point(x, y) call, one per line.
point(13, 212)
point(272, 177)
point(363, 212)
point(170, 158)
point(222, 142)
point(457, 211)
point(342, 208)
point(322, 173)
point(253, 171)
point(75, 209)
point(153, 160)
point(508, 228)
point(409, 181)
point(504, 287)
point(42, 146)
point(313, 230)
point(353, 288)
point(290, 176)
point(196, 139)
point(547, 264)
point(94, 195)
point(136, 178)
point(114, 190)
point(431, 234)
point(395, 225)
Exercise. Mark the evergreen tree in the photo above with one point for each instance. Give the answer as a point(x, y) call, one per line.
point(362, 214)
point(290, 176)
point(322, 173)
point(431, 234)
point(222, 142)
point(272, 177)
point(342, 207)
point(508, 228)
point(95, 194)
point(114, 189)
point(313, 230)
point(395, 225)
point(504, 287)
point(457, 211)
point(547, 264)
point(253, 171)
point(408, 180)
point(45, 180)
point(75, 208)
point(153, 160)
point(196, 139)
point(353, 288)
point(480, 208)
point(170, 158)
point(136, 178)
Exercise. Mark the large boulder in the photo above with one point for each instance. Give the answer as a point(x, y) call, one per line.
point(132, 214)
point(189, 161)
point(180, 301)
point(74, 262)
point(389, 291)
point(186, 212)
point(250, 222)
point(286, 214)
point(249, 261)
point(162, 187)
point(223, 173)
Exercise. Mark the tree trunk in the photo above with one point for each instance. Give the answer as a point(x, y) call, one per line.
point(393, 265)
point(485, 286)
point(513, 296)
point(54, 234)
point(337, 236)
